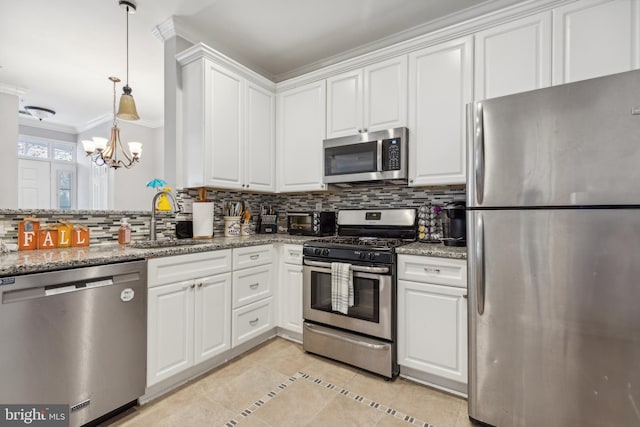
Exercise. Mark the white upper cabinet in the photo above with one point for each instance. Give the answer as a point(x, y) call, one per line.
point(368, 99)
point(227, 126)
point(300, 131)
point(440, 82)
point(513, 57)
point(344, 104)
point(260, 147)
point(593, 38)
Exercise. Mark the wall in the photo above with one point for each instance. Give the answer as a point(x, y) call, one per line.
point(9, 150)
point(47, 133)
point(127, 186)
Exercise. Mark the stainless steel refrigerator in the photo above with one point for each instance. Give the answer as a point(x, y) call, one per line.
point(554, 255)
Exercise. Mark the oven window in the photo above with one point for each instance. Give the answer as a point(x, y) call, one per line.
point(366, 296)
point(354, 158)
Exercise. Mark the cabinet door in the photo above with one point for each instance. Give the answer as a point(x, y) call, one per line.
point(440, 86)
point(344, 104)
point(291, 298)
point(260, 145)
point(212, 316)
point(169, 331)
point(301, 129)
point(432, 329)
point(223, 128)
point(385, 94)
point(513, 57)
point(593, 38)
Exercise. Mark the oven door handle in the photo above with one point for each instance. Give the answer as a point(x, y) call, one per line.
point(349, 340)
point(357, 268)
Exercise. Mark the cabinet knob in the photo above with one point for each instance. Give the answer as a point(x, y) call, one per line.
point(243, 186)
point(364, 130)
point(193, 285)
point(199, 285)
point(465, 296)
point(411, 181)
point(247, 185)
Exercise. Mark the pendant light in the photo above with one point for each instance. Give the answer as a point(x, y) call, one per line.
point(127, 109)
point(111, 152)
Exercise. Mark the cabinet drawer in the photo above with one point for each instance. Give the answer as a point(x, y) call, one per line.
point(292, 254)
point(441, 271)
point(251, 284)
point(252, 256)
point(178, 268)
point(251, 320)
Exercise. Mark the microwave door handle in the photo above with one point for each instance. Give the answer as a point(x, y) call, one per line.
point(298, 214)
point(379, 157)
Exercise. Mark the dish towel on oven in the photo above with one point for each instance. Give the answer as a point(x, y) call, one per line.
point(341, 287)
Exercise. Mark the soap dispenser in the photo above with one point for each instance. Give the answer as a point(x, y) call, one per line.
point(124, 232)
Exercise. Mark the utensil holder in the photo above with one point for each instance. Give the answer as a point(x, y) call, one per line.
point(231, 226)
point(245, 230)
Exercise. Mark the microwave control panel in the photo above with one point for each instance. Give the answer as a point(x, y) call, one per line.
point(391, 155)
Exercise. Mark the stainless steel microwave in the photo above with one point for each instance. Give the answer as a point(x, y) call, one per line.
point(369, 156)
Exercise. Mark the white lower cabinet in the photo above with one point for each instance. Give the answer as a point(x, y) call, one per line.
point(188, 321)
point(192, 320)
point(253, 307)
point(290, 290)
point(252, 320)
point(432, 317)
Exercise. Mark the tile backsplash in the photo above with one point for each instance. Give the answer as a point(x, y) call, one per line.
point(104, 225)
point(384, 196)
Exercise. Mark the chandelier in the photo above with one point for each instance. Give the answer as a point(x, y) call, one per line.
point(111, 152)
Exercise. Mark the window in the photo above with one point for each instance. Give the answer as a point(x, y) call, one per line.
point(46, 173)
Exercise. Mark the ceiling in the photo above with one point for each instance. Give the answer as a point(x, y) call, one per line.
point(62, 52)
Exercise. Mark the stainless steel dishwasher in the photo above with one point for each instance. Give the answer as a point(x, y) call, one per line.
point(75, 337)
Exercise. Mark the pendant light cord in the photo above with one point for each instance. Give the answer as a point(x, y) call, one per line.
point(127, 84)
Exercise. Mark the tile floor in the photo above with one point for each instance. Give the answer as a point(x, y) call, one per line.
point(278, 384)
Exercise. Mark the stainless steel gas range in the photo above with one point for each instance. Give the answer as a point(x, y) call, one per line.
point(365, 335)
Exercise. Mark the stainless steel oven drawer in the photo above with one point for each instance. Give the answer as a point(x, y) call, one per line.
point(363, 352)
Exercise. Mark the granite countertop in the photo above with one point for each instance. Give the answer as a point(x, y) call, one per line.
point(433, 249)
point(24, 262)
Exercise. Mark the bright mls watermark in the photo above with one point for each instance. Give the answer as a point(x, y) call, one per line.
point(34, 415)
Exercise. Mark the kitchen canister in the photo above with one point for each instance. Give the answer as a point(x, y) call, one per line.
point(231, 226)
point(245, 229)
point(202, 220)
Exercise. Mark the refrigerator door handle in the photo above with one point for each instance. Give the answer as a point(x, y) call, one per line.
point(479, 152)
point(480, 284)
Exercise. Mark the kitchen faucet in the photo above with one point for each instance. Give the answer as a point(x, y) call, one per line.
point(152, 226)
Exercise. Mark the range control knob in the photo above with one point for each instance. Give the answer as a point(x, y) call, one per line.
point(317, 251)
point(362, 255)
point(325, 252)
point(372, 255)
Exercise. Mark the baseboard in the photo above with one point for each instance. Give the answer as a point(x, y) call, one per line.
point(452, 387)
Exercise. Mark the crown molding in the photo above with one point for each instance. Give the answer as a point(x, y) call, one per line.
point(382, 50)
point(35, 123)
point(201, 50)
point(165, 30)
point(10, 89)
point(108, 118)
